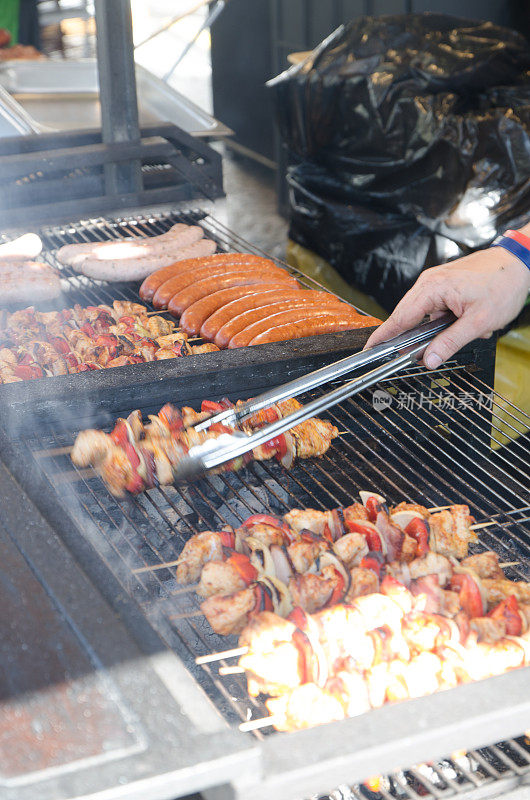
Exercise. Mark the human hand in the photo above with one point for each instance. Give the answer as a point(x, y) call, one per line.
point(485, 290)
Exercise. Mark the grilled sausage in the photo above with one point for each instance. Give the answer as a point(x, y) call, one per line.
point(190, 294)
point(151, 284)
point(196, 315)
point(298, 315)
point(23, 248)
point(267, 305)
point(28, 282)
point(327, 323)
point(136, 269)
point(170, 288)
point(177, 237)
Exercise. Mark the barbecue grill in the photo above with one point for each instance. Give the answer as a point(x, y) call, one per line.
point(119, 642)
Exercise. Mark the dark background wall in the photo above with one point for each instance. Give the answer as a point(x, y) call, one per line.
point(252, 39)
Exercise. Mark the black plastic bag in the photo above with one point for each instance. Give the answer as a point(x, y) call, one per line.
point(416, 125)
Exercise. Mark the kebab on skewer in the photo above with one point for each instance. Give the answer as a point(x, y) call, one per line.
point(393, 533)
point(382, 648)
point(266, 564)
point(35, 344)
point(137, 456)
point(314, 559)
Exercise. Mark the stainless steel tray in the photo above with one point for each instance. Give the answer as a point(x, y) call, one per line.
point(63, 95)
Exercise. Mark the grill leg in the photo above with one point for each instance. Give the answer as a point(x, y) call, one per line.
point(117, 91)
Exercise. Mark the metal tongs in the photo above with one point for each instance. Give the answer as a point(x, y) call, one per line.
point(403, 350)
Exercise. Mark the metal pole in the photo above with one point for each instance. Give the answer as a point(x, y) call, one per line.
point(117, 90)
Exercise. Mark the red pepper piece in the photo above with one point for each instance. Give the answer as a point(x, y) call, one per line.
point(419, 530)
point(326, 533)
point(373, 539)
point(241, 563)
point(338, 592)
point(135, 485)
point(120, 434)
point(298, 617)
point(373, 506)
point(278, 445)
point(171, 417)
point(218, 427)
point(211, 407)
point(228, 539)
point(508, 610)
point(373, 561)
point(132, 455)
point(469, 594)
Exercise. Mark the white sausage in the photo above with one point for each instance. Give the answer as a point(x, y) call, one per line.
point(177, 237)
point(136, 269)
point(28, 282)
point(25, 247)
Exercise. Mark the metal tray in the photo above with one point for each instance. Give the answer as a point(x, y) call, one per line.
point(64, 95)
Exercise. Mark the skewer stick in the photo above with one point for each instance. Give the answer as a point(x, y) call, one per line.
point(257, 724)
point(71, 475)
point(183, 589)
point(481, 525)
point(154, 567)
point(233, 653)
point(186, 615)
point(54, 451)
point(235, 670)
point(509, 564)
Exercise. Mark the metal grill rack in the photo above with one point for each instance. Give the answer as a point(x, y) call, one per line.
point(78, 289)
point(427, 455)
point(433, 449)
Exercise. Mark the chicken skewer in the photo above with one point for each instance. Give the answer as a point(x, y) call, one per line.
point(392, 533)
point(329, 581)
point(235, 592)
point(135, 457)
point(382, 648)
point(322, 558)
point(350, 693)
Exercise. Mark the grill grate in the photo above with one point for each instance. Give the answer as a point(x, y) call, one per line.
point(79, 289)
point(430, 455)
point(418, 447)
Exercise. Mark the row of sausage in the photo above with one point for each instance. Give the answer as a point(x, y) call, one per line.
point(239, 299)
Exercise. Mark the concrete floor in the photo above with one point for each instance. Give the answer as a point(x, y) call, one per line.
point(251, 204)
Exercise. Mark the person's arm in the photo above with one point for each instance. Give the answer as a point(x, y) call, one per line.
point(485, 290)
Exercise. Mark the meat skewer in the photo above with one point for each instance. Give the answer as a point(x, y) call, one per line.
point(135, 456)
point(341, 662)
point(314, 559)
point(35, 344)
point(403, 537)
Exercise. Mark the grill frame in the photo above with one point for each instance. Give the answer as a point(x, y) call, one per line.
point(385, 733)
point(290, 765)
